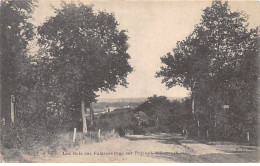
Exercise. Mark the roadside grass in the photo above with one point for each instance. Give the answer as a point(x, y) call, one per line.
point(49, 145)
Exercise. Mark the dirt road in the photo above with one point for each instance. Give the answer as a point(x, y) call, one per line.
point(154, 148)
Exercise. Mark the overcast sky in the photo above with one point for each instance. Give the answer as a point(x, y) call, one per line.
point(153, 28)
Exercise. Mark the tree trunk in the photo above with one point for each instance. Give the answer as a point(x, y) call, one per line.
point(60, 111)
point(12, 108)
point(84, 121)
point(193, 105)
point(0, 87)
point(91, 114)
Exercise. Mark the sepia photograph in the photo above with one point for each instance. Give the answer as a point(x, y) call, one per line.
point(127, 81)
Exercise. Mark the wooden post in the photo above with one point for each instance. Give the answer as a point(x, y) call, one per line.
point(207, 134)
point(84, 121)
point(247, 136)
point(198, 123)
point(157, 122)
point(99, 134)
point(113, 131)
point(12, 108)
point(74, 135)
point(198, 133)
point(108, 109)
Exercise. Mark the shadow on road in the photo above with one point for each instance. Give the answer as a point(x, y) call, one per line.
point(223, 154)
point(165, 138)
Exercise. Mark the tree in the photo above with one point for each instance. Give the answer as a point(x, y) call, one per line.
point(87, 51)
point(162, 115)
point(15, 33)
point(156, 106)
point(217, 62)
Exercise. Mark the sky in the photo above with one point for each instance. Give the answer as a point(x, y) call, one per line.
point(153, 28)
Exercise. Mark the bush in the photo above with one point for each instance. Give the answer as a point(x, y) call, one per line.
point(28, 139)
point(120, 120)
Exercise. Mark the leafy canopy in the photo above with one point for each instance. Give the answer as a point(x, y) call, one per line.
point(87, 51)
point(214, 53)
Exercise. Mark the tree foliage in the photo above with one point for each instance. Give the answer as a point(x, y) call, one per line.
point(15, 33)
point(218, 63)
point(159, 114)
point(88, 51)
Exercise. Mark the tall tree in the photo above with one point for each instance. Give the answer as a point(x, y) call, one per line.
point(15, 33)
point(87, 51)
point(217, 62)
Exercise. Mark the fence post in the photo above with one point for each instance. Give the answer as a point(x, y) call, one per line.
point(3, 121)
point(74, 135)
point(99, 134)
point(248, 138)
point(113, 131)
point(207, 134)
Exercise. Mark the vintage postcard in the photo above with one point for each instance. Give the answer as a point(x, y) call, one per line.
point(129, 81)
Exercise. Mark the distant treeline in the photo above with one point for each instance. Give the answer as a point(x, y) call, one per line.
point(101, 105)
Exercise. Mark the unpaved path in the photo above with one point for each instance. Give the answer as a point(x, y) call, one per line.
point(154, 148)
